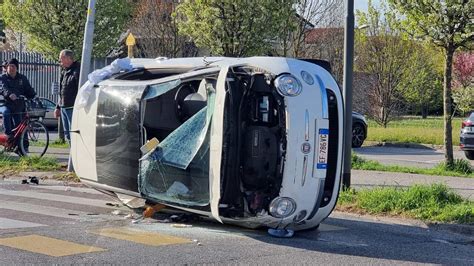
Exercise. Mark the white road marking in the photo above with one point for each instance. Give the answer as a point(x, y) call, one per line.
point(55, 197)
point(75, 189)
point(6, 223)
point(54, 212)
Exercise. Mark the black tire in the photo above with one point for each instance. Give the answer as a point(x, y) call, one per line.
point(34, 140)
point(358, 135)
point(469, 154)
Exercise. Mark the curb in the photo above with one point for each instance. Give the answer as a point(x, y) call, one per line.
point(407, 145)
point(463, 229)
point(46, 177)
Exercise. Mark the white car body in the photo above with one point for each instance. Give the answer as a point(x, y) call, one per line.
point(294, 129)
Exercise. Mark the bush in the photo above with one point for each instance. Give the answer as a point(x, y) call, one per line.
point(459, 165)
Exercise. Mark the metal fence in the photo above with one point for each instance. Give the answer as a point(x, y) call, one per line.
point(42, 72)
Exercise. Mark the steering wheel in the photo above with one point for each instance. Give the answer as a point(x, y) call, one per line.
point(183, 91)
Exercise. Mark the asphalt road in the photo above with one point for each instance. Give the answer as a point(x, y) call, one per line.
point(419, 157)
point(58, 223)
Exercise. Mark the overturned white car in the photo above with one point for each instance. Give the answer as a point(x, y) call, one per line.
point(248, 141)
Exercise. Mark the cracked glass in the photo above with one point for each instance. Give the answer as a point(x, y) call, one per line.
point(177, 170)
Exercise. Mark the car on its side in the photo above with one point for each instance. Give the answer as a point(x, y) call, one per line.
point(359, 129)
point(467, 136)
point(255, 142)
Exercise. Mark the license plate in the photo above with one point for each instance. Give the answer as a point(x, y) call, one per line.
point(468, 130)
point(322, 151)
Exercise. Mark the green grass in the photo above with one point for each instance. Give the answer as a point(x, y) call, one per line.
point(462, 168)
point(59, 144)
point(435, 203)
point(9, 164)
point(55, 144)
point(414, 130)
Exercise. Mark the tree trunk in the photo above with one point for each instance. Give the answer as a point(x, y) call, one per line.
point(447, 101)
point(424, 111)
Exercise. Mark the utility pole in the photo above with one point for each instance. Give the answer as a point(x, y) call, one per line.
point(348, 78)
point(86, 55)
point(87, 45)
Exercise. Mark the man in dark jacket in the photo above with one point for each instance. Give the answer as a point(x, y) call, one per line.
point(13, 85)
point(69, 84)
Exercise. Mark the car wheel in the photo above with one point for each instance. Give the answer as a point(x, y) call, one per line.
point(358, 134)
point(469, 154)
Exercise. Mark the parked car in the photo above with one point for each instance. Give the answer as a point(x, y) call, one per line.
point(359, 129)
point(49, 120)
point(247, 141)
point(467, 136)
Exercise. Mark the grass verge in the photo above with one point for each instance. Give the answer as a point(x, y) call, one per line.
point(462, 168)
point(435, 203)
point(414, 130)
point(10, 164)
point(59, 144)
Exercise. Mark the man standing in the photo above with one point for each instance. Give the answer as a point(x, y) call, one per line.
point(68, 86)
point(13, 85)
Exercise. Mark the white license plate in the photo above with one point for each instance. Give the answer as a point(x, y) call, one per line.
point(468, 130)
point(322, 152)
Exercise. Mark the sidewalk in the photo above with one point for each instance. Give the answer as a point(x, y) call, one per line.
point(369, 179)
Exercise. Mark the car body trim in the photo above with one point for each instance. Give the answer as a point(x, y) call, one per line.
point(324, 97)
point(318, 202)
point(305, 170)
point(306, 124)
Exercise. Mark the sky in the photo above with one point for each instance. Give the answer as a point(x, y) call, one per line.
point(362, 4)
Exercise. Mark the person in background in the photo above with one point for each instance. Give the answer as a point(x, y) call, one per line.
point(12, 86)
point(68, 86)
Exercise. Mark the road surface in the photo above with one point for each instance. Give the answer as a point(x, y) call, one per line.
point(60, 223)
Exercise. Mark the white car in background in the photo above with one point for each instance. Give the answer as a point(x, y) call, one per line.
point(247, 141)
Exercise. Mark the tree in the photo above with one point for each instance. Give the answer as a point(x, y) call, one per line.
point(233, 28)
point(421, 84)
point(327, 44)
point(448, 24)
point(305, 15)
point(53, 25)
point(463, 81)
point(383, 53)
point(317, 32)
point(157, 30)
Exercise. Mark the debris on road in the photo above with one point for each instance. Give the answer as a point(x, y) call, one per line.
point(149, 211)
point(34, 180)
point(112, 204)
point(118, 212)
point(181, 225)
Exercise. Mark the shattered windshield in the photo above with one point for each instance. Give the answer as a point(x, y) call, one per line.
point(177, 170)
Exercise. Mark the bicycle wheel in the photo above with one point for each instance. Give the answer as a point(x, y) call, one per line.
point(34, 139)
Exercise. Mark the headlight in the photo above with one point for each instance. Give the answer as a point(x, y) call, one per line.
point(282, 207)
point(288, 85)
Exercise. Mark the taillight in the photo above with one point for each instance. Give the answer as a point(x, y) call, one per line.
point(466, 124)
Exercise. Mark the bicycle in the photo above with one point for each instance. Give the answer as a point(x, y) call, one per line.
point(30, 137)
